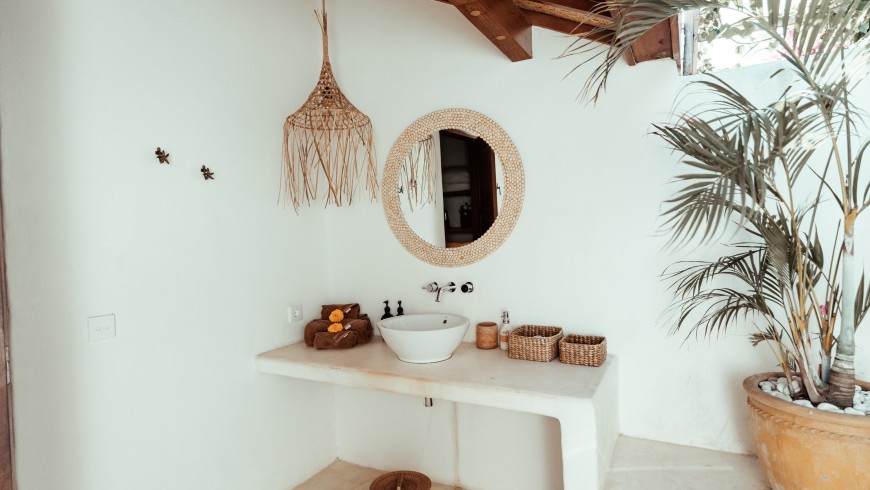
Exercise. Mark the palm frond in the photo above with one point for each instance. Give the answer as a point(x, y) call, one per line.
point(809, 35)
point(704, 309)
point(745, 164)
point(634, 19)
point(737, 147)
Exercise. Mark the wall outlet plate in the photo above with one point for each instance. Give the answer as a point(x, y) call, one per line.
point(294, 313)
point(101, 327)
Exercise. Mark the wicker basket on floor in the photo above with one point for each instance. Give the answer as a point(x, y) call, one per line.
point(583, 350)
point(406, 480)
point(523, 343)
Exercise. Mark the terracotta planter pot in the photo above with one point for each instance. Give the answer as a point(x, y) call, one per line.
point(804, 448)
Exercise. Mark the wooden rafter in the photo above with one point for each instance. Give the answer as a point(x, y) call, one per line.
point(502, 23)
point(506, 23)
point(563, 10)
point(655, 44)
point(674, 24)
point(567, 26)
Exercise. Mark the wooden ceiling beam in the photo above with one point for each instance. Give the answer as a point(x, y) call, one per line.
point(507, 24)
point(567, 26)
point(577, 11)
point(566, 10)
point(675, 41)
point(655, 44)
point(502, 22)
point(585, 5)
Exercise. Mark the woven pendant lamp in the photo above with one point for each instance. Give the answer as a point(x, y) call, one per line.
point(418, 176)
point(328, 143)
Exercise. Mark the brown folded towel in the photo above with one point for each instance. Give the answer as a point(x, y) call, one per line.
point(362, 326)
point(339, 340)
point(350, 310)
point(312, 328)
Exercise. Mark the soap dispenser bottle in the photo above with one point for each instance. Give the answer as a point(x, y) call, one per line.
point(387, 313)
point(400, 311)
point(505, 331)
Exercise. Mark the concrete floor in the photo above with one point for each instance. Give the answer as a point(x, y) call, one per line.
point(638, 464)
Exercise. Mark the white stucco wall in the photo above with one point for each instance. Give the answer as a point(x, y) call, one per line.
point(198, 274)
point(585, 253)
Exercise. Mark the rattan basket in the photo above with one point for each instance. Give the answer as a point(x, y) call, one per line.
point(583, 350)
point(522, 343)
point(406, 480)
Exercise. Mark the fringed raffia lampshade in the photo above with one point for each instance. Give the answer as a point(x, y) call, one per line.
point(418, 176)
point(329, 139)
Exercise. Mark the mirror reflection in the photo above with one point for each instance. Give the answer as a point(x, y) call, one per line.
point(450, 188)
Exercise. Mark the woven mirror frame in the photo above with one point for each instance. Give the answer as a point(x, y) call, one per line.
point(514, 187)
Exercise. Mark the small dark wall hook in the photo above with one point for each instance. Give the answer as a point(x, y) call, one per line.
point(207, 174)
point(162, 155)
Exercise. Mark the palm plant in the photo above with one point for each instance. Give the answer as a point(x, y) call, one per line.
point(752, 166)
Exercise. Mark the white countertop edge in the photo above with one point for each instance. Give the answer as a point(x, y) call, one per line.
point(477, 393)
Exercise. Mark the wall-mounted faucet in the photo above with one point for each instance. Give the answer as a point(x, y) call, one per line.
point(448, 288)
point(433, 287)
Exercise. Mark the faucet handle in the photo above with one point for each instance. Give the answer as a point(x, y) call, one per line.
point(431, 287)
point(467, 287)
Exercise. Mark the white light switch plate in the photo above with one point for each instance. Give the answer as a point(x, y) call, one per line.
point(101, 328)
point(294, 313)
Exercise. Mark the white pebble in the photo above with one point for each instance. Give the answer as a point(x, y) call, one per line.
point(767, 386)
point(772, 380)
point(781, 396)
point(861, 406)
point(852, 411)
point(796, 385)
point(858, 398)
point(857, 388)
point(782, 388)
point(781, 379)
point(803, 403)
point(829, 408)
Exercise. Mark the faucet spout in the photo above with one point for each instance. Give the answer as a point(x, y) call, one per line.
point(448, 288)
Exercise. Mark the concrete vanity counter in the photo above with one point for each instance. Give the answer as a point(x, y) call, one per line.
point(582, 399)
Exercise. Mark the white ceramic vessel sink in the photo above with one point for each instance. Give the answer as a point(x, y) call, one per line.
point(424, 338)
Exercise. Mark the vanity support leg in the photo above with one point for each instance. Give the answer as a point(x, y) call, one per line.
point(579, 448)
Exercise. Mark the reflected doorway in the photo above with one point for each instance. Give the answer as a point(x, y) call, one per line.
point(468, 175)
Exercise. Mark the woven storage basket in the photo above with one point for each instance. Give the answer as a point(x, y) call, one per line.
point(409, 480)
point(583, 350)
point(522, 343)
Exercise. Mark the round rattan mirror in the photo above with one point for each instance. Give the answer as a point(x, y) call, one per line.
point(502, 174)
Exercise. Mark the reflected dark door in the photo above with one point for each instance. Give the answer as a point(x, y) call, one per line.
point(483, 203)
point(470, 156)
